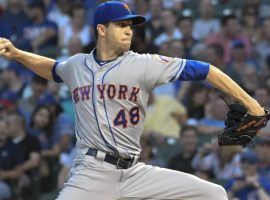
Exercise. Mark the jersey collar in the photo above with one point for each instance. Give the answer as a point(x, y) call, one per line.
point(103, 63)
point(99, 62)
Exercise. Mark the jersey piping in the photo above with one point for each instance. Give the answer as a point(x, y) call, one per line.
point(179, 70)
point(94, 107)
point(104, 104)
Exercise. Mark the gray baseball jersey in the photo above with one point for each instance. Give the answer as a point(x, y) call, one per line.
point(110, 98)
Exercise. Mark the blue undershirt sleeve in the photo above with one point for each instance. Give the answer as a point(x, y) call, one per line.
point(194, 71)
point(56, 77)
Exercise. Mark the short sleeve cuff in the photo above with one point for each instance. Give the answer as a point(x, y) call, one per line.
point(194, 70)
point(56, 78)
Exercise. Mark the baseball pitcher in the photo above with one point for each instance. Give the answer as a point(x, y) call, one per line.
point(110, 88)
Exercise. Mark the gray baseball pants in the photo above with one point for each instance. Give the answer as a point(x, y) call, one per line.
point(92, 178)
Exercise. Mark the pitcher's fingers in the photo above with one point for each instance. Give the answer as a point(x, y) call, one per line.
point(4, 45)
point(3, 41)
point(2, 51)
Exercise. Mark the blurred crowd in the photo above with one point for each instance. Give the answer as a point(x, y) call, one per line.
point(37, 136)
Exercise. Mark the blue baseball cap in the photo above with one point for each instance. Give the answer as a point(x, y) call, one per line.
point(10, 96)
point(113, 11)
point(46, 99)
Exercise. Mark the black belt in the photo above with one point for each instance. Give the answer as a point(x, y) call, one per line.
point(120, 163)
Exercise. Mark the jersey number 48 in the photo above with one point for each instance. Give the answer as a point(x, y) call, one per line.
point(122, 119)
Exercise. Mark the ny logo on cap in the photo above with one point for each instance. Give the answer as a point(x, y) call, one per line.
point(126, 7)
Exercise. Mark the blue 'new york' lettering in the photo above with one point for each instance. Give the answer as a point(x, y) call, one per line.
point(109, 91)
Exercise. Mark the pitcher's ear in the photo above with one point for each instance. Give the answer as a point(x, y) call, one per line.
point(101, 30)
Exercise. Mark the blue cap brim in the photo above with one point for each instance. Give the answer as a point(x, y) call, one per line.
point(136, 19)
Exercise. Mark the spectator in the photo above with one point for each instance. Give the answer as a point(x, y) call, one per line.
point(3, 5)
point(215, 115)
point(156, 7)
point(59, 13)
point(140, 44)
point(185, 25)
point(62, 124)
point(12, 81)
point(261, 6)
point(9, 101)
point(66, 161)
point(10, 163)
point(168, 22)
point(204, 174)
point(41, 35)
point(215, 55)
point(74, 46)
point(153, 29)
point(250, 21)
point(223, 162)
point(163, 109)
point(30, 148)
point(32, 93)
point(176, 49)
point(252, 3)
point(173, 4)
point(188, 139)
point(265, 72)
point(198, 51)
point(14, 19)
point(230, 31)
point(164, 48)
point(5, 30)
point(4, 187)
point(262, 150)
point(53, 91)
point(206, 25)
point(251, 185)
point(2, 87)
point(196, 98)
point(142, 8)
point(41, 126)
point(263, 45)
point(264, 9)
point(76, 27)
point(222, 6)
point(250, 80)
point(29, 144)
point(239, 63)
point(148, 153)
point(267, 77)
point(262, 95)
